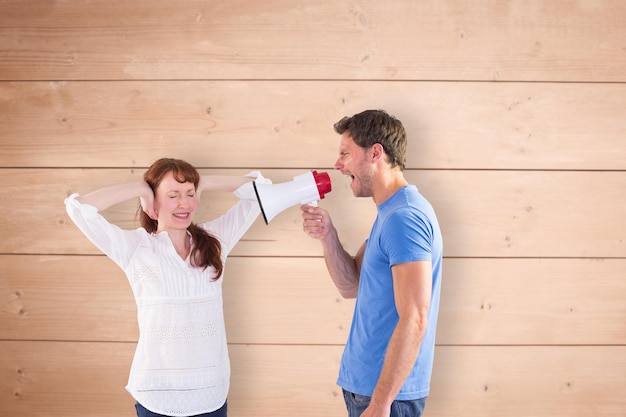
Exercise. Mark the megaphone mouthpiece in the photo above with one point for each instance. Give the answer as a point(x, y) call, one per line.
point(323, 183)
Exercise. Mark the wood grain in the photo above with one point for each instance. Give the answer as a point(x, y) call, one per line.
point(83, 379)
point(482, 213)
point(515, 118)
point(288, 124)
point(244, 39)
point(292, 301)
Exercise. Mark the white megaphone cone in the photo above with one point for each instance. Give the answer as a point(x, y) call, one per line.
point(304, 189)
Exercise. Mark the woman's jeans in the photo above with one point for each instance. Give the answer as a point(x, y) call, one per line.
point(143, 412)
point(356, 404)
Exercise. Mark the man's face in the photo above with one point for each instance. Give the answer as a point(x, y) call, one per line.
point(354, 162)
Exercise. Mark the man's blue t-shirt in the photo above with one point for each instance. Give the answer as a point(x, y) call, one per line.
point(405, 230)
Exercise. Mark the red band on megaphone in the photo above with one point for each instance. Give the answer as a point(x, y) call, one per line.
point(322, 180)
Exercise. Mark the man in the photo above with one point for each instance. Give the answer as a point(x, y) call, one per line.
point(395, 275)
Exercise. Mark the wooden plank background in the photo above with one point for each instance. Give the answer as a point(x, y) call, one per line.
point(235, 123)
point(517, 124)
point(488, 40)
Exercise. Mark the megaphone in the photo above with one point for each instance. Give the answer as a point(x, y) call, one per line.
point(304, 189)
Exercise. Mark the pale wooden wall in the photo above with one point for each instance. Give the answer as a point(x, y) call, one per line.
point(516, 113)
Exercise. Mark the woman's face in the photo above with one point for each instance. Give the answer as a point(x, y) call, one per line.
point(175, 203)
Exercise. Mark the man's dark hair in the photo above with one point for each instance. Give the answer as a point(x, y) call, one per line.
point(377, 126)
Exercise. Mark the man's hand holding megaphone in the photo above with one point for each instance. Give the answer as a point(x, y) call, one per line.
point(317, 223)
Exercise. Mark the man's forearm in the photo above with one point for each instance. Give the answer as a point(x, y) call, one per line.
point(400, 358)
point(341, 265)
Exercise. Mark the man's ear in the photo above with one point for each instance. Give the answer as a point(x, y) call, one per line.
point(377, 152)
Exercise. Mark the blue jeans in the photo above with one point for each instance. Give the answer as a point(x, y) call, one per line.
point(144, 412)
point(356, 404)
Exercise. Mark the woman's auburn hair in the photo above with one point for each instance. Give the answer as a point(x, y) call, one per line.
point(206, 249)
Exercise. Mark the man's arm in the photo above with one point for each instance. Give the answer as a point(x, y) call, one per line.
point(344, 269)
point(412, 284)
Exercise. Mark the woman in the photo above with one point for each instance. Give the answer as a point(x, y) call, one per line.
point(181, 365)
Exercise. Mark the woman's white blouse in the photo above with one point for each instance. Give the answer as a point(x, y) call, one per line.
point(181, 365)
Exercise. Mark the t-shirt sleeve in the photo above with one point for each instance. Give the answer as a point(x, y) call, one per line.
point(407, 237)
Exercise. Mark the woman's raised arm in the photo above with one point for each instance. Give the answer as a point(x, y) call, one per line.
point(109, 196)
